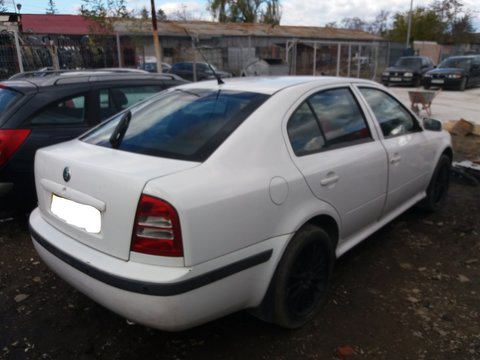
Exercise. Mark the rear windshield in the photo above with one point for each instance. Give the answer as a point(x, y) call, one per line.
point(180, 124)
point(7, 97)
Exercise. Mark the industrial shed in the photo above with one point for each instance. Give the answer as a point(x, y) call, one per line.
point(230, 46)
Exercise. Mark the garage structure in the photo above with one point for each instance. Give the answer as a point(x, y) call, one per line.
point(67, 41)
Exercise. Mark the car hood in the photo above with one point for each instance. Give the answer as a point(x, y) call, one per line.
point(106, 179)
point(400, 69)
point(447, 71)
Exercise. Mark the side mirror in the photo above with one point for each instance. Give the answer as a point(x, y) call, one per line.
point(432, 124)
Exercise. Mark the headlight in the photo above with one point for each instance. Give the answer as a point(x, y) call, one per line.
point(454, 76)
point(408, 74)
point(386, 73)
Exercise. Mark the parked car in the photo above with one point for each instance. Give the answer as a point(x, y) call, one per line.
point(457, 72)
point(40, 111)
point(207, 199)
point(47, 71)
point(408, 70)
point(152, 67)
point(202, 69)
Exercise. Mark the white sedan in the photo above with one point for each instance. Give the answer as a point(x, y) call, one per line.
point(210, 198)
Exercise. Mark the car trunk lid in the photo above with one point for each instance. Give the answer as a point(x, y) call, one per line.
point(77, 181)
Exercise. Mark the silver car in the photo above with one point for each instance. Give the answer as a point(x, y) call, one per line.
point(210, 198)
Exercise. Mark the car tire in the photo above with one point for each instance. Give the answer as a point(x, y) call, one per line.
point(463, 84)
point(301, 281)
point(439, 183)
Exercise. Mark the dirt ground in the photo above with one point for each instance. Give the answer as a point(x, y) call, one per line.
point(410, 291)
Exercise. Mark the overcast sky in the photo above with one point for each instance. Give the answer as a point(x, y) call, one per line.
point(295, 12)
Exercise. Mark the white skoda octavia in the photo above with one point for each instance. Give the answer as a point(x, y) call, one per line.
point(211, 198)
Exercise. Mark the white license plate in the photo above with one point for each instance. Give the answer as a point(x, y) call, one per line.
point(80, 215)
point(437, 81)
point(395, 79)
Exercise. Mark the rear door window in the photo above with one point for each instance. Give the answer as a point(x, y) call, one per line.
point(328, 119)
point(69, 111)
point(117, 99)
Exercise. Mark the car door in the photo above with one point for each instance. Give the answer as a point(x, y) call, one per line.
point(56, 121)
point(337, 154)
point(475, 71)
point(409, 152)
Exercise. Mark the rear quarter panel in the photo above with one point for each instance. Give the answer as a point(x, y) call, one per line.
point(248, 191)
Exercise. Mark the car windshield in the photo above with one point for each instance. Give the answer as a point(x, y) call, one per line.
point(7, 97)
point(180, 124)
point(410, 63)
point(461, 63)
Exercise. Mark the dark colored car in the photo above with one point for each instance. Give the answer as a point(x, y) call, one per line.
point(202, 69)
point(457, 72)
point(40, 111)
point(408, 70)
point(152, 67)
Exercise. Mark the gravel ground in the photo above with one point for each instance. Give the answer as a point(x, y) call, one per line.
point(410, 291)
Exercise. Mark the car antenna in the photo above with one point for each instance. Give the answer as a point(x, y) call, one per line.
point(219, 79)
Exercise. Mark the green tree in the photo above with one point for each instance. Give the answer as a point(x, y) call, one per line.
point(246, 11)
point(161, 16)
point(458, 22)
point(445, 21)
point(426, 25)
point(51, 8)
point(272, 13)
point(102, 15)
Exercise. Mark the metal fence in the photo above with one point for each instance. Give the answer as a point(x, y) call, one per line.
point(61, 53)
point(352, 59)
point(302, 57)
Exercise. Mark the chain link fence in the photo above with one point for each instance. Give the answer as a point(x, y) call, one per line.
point(301, 57)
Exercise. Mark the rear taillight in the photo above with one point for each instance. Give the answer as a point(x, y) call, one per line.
point(157, 228)
point(10, 141)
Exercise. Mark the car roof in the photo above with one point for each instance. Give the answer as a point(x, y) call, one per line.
point(463, 57)
point(84, 77)
point(272, 84)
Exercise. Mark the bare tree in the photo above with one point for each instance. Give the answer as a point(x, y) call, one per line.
point(51, 8)
point(183, 13)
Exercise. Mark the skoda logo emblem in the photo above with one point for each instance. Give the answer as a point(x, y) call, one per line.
point(67, 175)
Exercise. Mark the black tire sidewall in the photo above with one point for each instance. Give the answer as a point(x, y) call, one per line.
point(430, 203)
point(304, 237)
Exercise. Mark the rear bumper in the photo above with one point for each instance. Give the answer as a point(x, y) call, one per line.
point(167, 298)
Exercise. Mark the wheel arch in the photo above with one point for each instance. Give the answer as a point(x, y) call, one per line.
point(328, 224)
point(449, 152)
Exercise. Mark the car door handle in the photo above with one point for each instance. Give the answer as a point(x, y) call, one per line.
point(329, 180)
point(395, 159)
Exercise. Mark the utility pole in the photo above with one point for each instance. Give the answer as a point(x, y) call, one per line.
point(409, 25)
point(156, 40)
